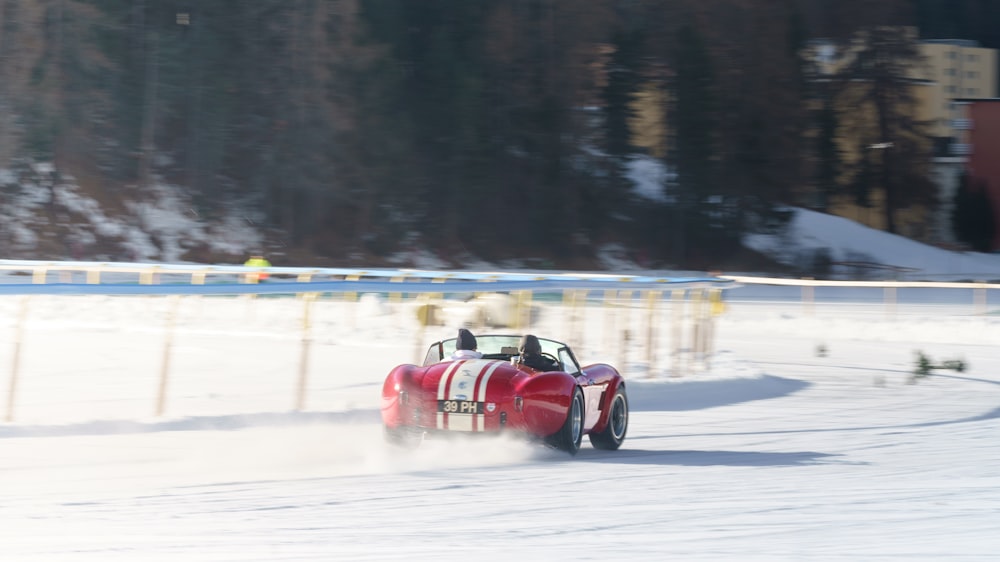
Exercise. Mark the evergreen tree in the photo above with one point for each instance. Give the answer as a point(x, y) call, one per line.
point(550, 69)
point(762, 113)
point(972, 218)
point(625, 76)
point(351, 124)
point(623, 80)
point(864, 179)
point(693, 118)
point(432, 87)
point(493, 110)
point(978, 20)
point(828, 154)
point(878, 97)
point(12, 79)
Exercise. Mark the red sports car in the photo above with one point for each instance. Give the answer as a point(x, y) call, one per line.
point(500, 393)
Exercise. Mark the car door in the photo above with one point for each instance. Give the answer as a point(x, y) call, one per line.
point(593, 389)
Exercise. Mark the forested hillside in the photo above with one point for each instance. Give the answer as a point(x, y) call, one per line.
point(473, 127)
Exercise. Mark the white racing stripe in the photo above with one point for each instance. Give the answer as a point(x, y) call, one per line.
point(443, 390)
point(468, 383)
point(481, 394)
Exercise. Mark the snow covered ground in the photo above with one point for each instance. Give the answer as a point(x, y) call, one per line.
point(806, 437)
point(878, 254)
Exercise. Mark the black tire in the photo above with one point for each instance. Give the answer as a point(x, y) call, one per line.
point(404, 437)
point(570, 435)
point(614, 433)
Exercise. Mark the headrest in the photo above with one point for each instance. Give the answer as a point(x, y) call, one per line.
point(466, 340)
point(530, 345)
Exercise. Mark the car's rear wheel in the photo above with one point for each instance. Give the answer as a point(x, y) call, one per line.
point(570, 435)
point(614, 433)
point(404, 436)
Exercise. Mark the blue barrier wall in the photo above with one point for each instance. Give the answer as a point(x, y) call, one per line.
point(185, 279)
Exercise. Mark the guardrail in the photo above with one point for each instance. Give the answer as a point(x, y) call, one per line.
point(122, 274)
point(979, 289)
point(693, 302)
point(691, 299)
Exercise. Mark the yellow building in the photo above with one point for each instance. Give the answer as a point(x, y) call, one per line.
point(959, 69)
point(950, 69)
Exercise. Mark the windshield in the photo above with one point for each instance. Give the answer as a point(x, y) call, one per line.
point(502, 347)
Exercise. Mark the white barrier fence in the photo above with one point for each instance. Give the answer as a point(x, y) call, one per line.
point(426, 305)
point(973, 297)
point(646, 326)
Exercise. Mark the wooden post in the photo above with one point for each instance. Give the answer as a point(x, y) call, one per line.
point(161, 396)
point(677, 297)
point(568, 309)
point(149, 276)
point(808, 296)
point(579, 317)
point(704, 326)
point(716, 308)
point(651, 298)
point(608, 303)
point(696, 331)
point(300, 400)
point(625, 299)
point(16, 362)
point(396, 297)
point(522, 313)
point(352, 297)
point(979, 297)
point(890, 302)
point(425, 315)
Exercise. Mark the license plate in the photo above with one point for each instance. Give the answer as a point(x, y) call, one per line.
point(460, 407)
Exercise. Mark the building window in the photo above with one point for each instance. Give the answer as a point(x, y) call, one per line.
point(950, 89)
point(972, 74)
point(951, 54)
point(950, 72)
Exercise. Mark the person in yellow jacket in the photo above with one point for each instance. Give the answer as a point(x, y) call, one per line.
point(257, 261)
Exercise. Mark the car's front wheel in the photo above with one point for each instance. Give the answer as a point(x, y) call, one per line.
point(570, 435)
point(614, 433)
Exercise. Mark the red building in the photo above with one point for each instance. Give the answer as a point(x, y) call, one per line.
point(981, 142)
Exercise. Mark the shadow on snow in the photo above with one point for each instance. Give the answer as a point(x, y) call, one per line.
point(706, 458)
point(653, 396)
point(194, 423)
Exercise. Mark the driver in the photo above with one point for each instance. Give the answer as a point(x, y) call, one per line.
point(465, 346)
point(531, 355)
